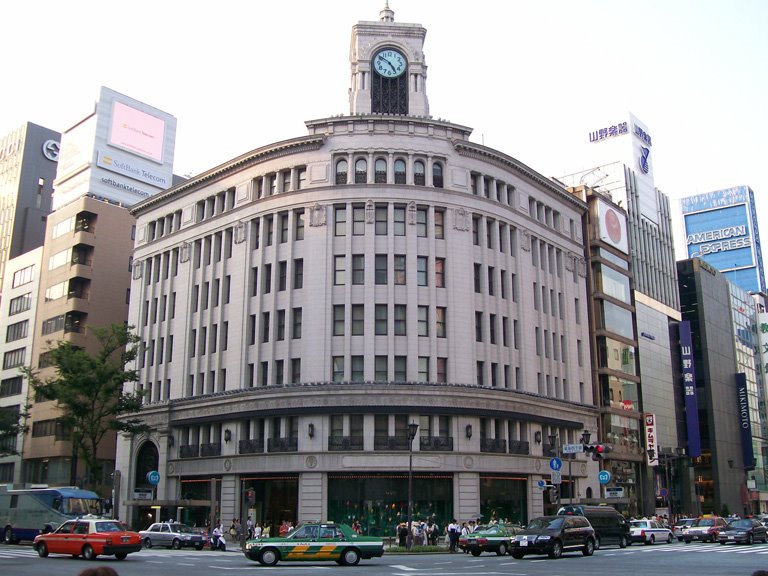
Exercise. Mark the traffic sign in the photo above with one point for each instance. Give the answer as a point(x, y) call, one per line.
point(541, 483)
point(604, 477)
point(555, 463)
point(557, 477)
point(573, 448)
point(153, 477)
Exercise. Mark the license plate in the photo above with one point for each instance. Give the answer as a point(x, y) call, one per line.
point(125, 539)
point(472, 541)
point(524, 543)
point(731, 537)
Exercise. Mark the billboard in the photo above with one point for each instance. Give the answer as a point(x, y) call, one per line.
point(720, 228)
point(745, 423)
point(651, 440)
point(612, 226)
point(137, 132)
point(688, 373)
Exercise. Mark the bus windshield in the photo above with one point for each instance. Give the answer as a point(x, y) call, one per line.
point(80, 506)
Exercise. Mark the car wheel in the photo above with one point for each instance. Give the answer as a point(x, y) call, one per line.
point(589, 548)
point(8, 536)
point(679, 539)
point(517, 554)
point(669, 539)
point(502, 551)
point(475, 552)
point(652, 541)
point(722, 542)
point(687, 541)
point(88, 553)
point(269, 557)
point(350, 557)
point(147, 543)
point(556, 551)
point(176, 544)
point(623, 542)
point(198, 546)
point(42, 550)
point(750, 539)
point(597, 543)
point(121, 555)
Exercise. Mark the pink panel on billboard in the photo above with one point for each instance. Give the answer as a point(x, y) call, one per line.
point(137, 132)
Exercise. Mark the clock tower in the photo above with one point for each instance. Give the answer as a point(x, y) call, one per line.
point(389, 74)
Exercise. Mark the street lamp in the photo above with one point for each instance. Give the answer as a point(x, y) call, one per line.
point(413, 428)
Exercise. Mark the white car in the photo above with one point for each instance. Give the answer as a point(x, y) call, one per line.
point(649, 532)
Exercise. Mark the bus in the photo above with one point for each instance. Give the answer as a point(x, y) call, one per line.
point(25, 513)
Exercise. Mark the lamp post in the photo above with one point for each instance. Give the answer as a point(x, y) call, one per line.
point(413, 428)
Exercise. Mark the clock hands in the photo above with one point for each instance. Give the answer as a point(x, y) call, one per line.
point(380, 57)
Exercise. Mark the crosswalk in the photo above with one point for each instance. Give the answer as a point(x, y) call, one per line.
point(9, 552)
point(758, 549)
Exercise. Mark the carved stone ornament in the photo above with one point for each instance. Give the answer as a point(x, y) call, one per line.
point(582, 267)
point(227, 464)
point(171, 469)
point(317, 215)
point(311, 461)
point(412, 213)
point(460, 219)
point(537, 465)
point(569, 261)
point(526, 243)
point(239, 233)
point(184, 252)
point(137, 268)
point(469, 462)
point(370, 212)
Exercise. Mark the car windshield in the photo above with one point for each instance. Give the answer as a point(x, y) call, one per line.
point(640, 523)
point(108, 527)
point(704, 522)
point(182, 529)
point(490, 529)
point(540, 523)
point(740, 524)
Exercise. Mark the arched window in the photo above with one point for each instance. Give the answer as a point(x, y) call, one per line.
point(418, 173)
point(399, 171)
point(381, 171)
point(341, 172)
point(437, 175)
point(361, 171)
point(147, 460)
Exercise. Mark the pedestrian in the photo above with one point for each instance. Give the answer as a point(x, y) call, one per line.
point(402, 535)
point(249, 527)
point(284, 529)
point(453, 530)
point(257, 531)
point(465, 533)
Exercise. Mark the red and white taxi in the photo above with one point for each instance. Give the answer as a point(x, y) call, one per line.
point(89, 537)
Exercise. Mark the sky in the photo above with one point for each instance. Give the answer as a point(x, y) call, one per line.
point(531, 77)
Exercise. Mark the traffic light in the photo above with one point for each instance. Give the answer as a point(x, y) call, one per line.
point(251, 496)
point(600, 450)
point(554, 493)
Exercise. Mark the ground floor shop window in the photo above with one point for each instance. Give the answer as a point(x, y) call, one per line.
point(380, 501)
point(504, 499)
point(270, 500)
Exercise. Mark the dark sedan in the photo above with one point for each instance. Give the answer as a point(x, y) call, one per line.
point(744, 531)
point(553, 535)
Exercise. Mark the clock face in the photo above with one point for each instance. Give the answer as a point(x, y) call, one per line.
point(389, 63)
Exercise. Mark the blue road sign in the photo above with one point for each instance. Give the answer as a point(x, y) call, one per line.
point(604, 477)
point(555, 463)
point(541, 483)
point(153, 477)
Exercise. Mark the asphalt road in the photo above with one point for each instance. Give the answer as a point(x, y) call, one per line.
point(696, 559)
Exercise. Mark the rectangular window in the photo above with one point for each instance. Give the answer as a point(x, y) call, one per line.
point(401, 369)
point(298, 273)
point(399, 224)
point(298, 225)
point(381, 319)
point(399, 261)
point(358, 319)
point(338, 320)
point(295, 370)
point(503, 283)
point(54, 324)
point(421, 222)
point(254, 281)
point(478, 326)
point(339, 220)
point(297, 319)
point(491, 280)
point(439, 224)
point(358, 269)
point(338, 368)
point(505, 331)
point(17, 331)
point(282, 275)
point(440, 272)
point(481, 373)
point(265, 327)
point(339, 269)
point(423, 320)
point(20, 304)
point(440, 322)
point(267, 278)
point(442, 370)
point(11, 386)
point(264, 370)
point(358, 220)
point(381, 269)
point(23, 276)
point(279, 372)
point(381, 373)
point(423, 369)
point(358, 369)
point(269, 226)
point(422, 265)
point(400, 319)
point(14, 358)
point(381, 220)
point(476, 230)
point(492, 328)
point(283, 228)
point(477, 272)
point(280, 325)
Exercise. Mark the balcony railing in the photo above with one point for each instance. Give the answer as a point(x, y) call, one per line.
point(254, 446)
point(519, 447)
point(189, 451)
point(390, 443)
point(282, 444)
point(212, 449)
point(549, 450)
point(344, 443)
point(495, 445)
point(436, 443)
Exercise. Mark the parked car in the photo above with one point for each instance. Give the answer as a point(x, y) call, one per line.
point(649, 532)
point(553, 535)
point(494, 538)
point(744, 531)
point(172, 535)
point(89, 538)
point(610, 526)
point(681, 527)
point(705, 528)
point(316, 541)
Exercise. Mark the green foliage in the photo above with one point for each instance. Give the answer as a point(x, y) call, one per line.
point(12, 423)
point(88, 389)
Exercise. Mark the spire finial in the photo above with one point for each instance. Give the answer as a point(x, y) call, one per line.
point(386, 15)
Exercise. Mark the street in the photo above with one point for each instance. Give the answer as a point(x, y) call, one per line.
point(694, 559)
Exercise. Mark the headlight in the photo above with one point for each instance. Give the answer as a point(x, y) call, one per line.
point(248, 545)
point(543, 538)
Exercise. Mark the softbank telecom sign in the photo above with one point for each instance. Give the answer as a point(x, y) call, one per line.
point(137, 132)
point(131, 168)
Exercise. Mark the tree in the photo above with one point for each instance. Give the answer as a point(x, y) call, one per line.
point(12, 423)
point(89, 390)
